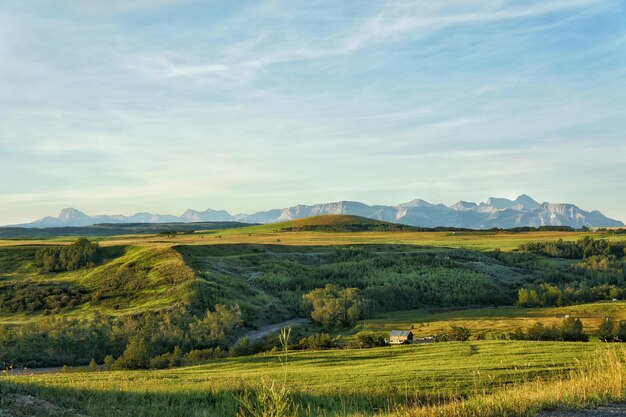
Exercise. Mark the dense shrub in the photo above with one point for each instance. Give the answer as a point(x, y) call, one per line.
point(28, 296)
point(571, 330)
point(459, 334)
point(369, 340)
point(133, 340)
point(610, 331)
point(135, 356)
point(317, 341)
point(80, 254)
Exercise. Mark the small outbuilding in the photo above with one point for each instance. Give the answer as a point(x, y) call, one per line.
point(399, 337)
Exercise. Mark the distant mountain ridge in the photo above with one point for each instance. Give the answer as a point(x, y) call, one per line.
point(503, 213)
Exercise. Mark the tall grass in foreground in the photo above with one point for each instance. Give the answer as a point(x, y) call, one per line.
point(600, 381)
point(273, 398)
point(195, 392)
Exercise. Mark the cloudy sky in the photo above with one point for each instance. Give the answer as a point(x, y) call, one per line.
point(148, 105)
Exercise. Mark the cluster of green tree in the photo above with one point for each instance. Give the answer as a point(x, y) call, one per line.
point(29, 297)
point(548, 295)
point(599, 275)
point(80, 254)
point(581, 249)
point(132, 340)
point(571, 330)
point(389, 280)
point(610, 331)
point(333, 307)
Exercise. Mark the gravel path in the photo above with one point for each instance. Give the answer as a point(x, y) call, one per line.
point(618, 410)
point(272, 328)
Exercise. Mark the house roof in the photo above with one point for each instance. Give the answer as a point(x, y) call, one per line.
point(400, 333)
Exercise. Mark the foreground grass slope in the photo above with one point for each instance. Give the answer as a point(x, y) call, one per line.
point(325, 383)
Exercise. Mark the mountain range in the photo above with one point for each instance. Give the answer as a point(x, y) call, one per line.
point(495, 212)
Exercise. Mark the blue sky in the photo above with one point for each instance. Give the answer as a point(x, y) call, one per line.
point(137, 105)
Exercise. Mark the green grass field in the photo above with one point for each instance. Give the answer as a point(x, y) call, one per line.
point(326, 383)
point(490, 321)
point(269, 234)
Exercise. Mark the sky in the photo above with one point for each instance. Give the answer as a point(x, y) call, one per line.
point(135, 105)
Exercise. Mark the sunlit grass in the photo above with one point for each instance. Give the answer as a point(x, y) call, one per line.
point(491, 321)
point(487, 375)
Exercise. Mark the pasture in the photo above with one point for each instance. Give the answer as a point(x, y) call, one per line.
point(271, 234)
point(344, 382)
point(490, 321)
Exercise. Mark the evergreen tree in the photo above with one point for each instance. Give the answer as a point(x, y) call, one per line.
point(607, 332)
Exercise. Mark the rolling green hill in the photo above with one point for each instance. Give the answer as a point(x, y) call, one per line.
point(127, 279)
point(165, 285)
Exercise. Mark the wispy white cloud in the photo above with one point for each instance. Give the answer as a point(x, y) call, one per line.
point(274, 103)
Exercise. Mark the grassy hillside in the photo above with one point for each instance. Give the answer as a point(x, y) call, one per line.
point(267, 281)
point(127, 279)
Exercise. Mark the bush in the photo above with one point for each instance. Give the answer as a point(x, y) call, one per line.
point(572, 330)
point(199, 355)
point(317, 341)
point(176, 358)
point(135, 355)
point(109, 362)
point(621, 332)
point(370, 340)
point(160, 361)
point(459, 334)
point(607, 331)
point(241, 348)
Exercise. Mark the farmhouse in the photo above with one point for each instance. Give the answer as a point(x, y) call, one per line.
point(399, 337)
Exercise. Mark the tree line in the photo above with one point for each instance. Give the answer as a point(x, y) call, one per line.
point(80, 254)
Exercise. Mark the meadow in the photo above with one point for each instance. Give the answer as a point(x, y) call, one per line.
point(491, 322)
point(347, 382)
point(159, 286)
